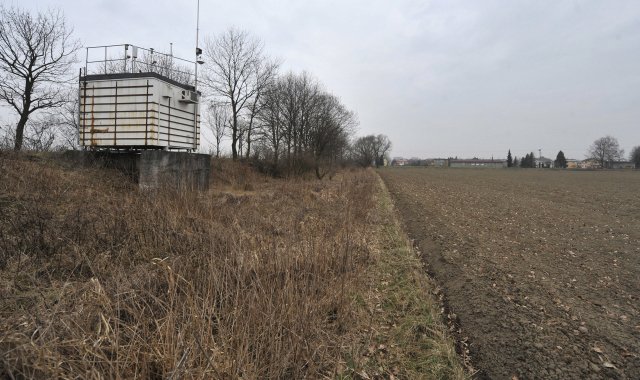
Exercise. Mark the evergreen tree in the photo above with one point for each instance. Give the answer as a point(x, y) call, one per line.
point(509, 159)
point(528, 161)
point(532, 160)
point(635, 156)
point(516, 163)
point(561, 161)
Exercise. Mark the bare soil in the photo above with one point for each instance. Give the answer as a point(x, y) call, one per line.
point(540, 269)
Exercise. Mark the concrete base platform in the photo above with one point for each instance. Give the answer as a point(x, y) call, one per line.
point(152, 169)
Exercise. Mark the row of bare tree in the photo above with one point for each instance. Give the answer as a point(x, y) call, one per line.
point(288, 120)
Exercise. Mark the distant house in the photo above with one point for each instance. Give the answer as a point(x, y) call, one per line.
point(416, 161)
point(440, 162)
point(544, 162)
point(398, 161)
point(623, 165)
point(590, 163)
point(572, 163)
point(477, 163)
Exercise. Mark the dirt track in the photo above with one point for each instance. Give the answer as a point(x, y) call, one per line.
point(542, 268)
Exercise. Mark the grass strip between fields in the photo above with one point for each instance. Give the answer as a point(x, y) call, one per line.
point(406, 335)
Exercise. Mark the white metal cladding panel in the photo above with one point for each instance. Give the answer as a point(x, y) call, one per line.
point(176, 118)
point(136, 112)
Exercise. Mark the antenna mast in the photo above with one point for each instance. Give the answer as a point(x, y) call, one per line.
point(195, 86)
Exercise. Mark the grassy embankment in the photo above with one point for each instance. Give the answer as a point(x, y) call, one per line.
point(256, 278)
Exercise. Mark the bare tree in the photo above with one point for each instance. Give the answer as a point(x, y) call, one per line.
point(270, 122)
point(36, 57)
point(329, 128)
point(300, 94)
point(606, 150)
point(218, 121)
point(363, 150)
point(43, 133)
point(265, 72)
point(290, 94)
point(303, 125)
point(242, 131)
point(381, 147)
point(371, 150)
point(65, 123)
point(230, 73)
point(7, 136)
point(68, 124)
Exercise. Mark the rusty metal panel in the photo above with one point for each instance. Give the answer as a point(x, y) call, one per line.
point(136, 112)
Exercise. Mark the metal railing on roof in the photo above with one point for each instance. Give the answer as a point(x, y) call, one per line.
point(128, 58)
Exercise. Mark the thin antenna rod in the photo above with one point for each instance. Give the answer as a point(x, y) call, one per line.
point(195, 86)
point(197, 23)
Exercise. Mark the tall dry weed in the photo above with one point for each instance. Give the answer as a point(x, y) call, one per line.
point(251, 280)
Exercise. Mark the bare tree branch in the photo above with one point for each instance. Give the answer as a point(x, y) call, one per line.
point(265, 72)
point(304, 125)
point(217, 119)
point(230, 74)
point(36, 57)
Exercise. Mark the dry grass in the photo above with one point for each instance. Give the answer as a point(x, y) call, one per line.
point(257, 278)
point(405, 336)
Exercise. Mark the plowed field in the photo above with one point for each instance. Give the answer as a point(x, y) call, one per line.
point(540, 268)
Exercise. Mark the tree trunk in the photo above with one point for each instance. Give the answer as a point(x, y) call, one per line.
point(317, 168)
point(248, 142)
point(24, 116)
point(253, 114)
point(234, 136)
point(20, 132)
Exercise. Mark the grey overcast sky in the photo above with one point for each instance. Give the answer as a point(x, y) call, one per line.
point(440, 78)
